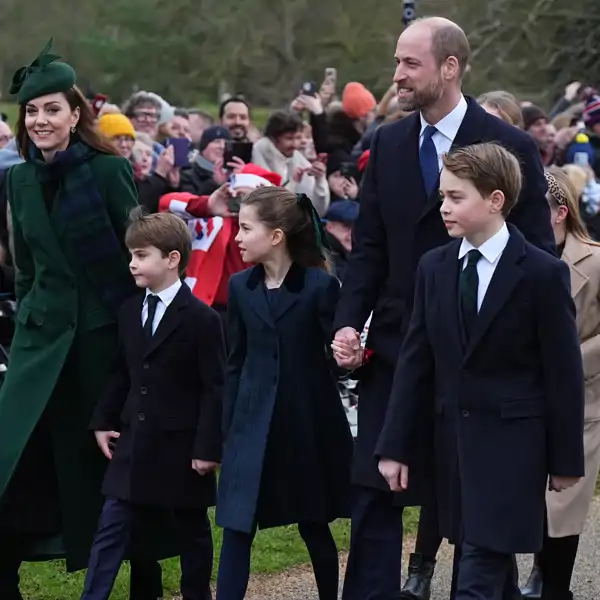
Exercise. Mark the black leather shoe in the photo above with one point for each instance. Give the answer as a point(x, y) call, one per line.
point(418, 584)
point(533, 587)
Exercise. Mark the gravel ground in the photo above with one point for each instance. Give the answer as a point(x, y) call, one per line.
point(298, 583)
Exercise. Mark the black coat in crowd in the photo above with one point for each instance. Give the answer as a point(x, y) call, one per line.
point(165, 397)
point(288, 445)
point(397, 224)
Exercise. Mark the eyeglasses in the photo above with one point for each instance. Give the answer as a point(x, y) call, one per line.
point(146, 115)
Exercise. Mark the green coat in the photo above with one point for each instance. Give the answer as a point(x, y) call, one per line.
point(63, 349)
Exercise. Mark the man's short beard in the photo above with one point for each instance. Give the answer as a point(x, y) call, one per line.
point(423, 98)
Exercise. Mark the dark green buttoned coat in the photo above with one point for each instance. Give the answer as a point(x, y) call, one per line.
point(62, 352)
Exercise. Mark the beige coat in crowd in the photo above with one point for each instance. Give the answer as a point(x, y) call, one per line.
point(567, 511)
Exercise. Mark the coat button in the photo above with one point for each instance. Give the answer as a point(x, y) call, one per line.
point(141, 417)
point(143, 390)
point(146, 365)
point(466, 413)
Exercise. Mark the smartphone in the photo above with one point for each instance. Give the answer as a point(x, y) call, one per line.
point(181, 150)
point(582, 159)
point(331, 74)
point(309, 88)
point(349, 170)
point(322, 157)
point(241, 150)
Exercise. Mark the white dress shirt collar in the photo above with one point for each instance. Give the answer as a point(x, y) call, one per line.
point(166, 296)
point(450, 124)
point(490, 249)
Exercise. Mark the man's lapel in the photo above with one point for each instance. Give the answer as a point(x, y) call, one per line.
point(507, 275)
point(170, 320)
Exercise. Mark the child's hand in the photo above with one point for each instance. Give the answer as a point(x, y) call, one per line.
point(347, 349)
point(395, 473)
point(558, 484)
point(203, 467)
point(105, 441)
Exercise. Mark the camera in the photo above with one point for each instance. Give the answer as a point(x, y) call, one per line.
point(408, 12)
point(309, 88)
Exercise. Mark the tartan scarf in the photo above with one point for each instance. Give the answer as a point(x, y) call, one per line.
point(90, 233)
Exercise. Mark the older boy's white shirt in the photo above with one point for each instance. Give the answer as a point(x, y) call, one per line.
point(447, 129)
point(491, 251)
point(165, 298)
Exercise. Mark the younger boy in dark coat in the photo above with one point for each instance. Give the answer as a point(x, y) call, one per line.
point(159, 421)
point(492, 356)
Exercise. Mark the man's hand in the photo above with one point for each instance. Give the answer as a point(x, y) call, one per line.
point(347, 350)
point(395, 473)
point(105, 439)
point(203, 467)
point(218, 202)
point(559, 484)
point(318, 170)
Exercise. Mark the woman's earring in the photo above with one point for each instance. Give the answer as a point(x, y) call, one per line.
point(73, 130)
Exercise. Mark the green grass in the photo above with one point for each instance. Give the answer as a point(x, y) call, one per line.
point(259, 114)
point(274, 550)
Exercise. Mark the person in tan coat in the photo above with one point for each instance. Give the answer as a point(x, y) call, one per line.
point(567, 511)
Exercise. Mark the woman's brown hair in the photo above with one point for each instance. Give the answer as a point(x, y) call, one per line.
point(278, 208)
point(86, 127)
point(562, 192)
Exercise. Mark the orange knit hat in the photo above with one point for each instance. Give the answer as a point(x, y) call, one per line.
point(357, 100)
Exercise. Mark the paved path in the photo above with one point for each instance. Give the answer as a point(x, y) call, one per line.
point(298, 584)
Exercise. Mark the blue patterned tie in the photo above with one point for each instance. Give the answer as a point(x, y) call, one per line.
point(428, 158)
point(468, 287)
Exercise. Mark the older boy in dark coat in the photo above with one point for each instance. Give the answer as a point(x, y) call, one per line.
point(160, 417)
point(492, 356)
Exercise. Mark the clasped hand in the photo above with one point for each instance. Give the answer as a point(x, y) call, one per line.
point(347, 349)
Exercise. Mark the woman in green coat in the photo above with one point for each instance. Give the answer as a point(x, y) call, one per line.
point(69, 204)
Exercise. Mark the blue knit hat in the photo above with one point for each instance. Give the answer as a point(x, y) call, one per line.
point(217, 132)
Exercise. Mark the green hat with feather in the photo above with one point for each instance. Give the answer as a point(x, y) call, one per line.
point(43, 76)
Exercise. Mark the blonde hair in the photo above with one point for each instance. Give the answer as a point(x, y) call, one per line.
point(567, 195)
point(506, 105)
point(578, 177)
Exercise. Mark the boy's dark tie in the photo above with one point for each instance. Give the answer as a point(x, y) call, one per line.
point(428, 158)
point(468, 287)
point(152, 300)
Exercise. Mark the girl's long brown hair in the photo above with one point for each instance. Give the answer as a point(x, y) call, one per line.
point(278, 208)
point(86, 127)
point(574, 223)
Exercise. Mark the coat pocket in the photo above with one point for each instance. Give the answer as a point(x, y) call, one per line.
point(522, 408)
point(28, 317)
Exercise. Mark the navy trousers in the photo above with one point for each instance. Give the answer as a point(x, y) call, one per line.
point(145, 576)
point(375, 560)
point(482, 574)
point(112, 539)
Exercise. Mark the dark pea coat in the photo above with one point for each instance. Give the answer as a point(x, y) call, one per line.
point(397, 224)
point(508, 402)
point(288, 445)
point(165, 396)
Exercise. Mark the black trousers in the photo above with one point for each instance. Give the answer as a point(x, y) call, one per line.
point(112, 539)
point(485, 574)
point(145, 576)
point(234, 566)
point(375, 559)
point(428, 535)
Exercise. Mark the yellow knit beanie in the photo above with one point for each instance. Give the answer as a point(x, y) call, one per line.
point(114, 125)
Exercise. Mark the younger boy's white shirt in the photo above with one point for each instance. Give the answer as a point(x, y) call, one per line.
point(165, 298)
point(491, 251)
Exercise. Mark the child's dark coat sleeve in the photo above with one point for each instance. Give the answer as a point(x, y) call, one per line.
point(563, 374)
point(236, 339)
point(208, 444)
point(412, 383)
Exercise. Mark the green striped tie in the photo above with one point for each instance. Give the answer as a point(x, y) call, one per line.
point(468, 286)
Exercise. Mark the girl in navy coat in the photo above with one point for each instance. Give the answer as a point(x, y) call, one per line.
point(288, 446)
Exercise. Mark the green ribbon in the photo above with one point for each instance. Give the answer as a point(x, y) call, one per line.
point(43, 59)
point(306, 204)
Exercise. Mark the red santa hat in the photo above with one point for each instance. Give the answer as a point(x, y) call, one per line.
point(253, 176)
